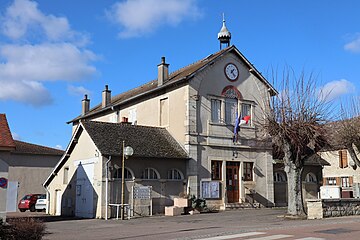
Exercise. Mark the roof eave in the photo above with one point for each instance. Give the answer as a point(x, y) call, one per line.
point(116, 105)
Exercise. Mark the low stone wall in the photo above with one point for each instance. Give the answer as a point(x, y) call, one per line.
point(324, 208)
point(341, 207)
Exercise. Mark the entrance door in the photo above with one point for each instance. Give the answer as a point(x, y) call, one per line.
point(84, 191)
point(232, 181)
point(58, 197)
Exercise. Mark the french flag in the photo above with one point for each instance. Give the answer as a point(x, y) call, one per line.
point(244, 120)
point(238, 123)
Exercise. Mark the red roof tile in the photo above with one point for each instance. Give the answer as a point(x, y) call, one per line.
point(6, 140)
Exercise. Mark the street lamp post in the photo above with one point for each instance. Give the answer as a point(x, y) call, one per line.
point(126, 152)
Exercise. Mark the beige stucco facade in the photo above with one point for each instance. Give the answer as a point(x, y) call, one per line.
point(185, 110)
point(341, 172)
point(64, 185)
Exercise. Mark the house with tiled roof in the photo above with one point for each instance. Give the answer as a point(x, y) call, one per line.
point(23, 167)
point(186, 138)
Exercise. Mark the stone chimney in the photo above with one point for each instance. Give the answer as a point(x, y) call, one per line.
point(85, 105)
point(106, 97)
point(163, 72)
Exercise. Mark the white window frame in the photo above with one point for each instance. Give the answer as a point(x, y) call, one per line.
point(231, 109)
point(331, 181)
point(345, 182)
point(223, 116)
point(133, 116)
point(216, 112)
point(147, 172)
point(119, 171)
point(172, 172)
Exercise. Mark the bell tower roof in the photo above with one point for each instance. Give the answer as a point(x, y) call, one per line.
point(224, 35)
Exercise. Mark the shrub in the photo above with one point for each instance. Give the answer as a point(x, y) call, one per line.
point(198, 203)
point(23, 228)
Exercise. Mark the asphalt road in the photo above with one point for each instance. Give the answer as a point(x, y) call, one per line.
point(260, 224)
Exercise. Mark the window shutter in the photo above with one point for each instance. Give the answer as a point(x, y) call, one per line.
point(340, 159)
point(351, 180)
point(343, 162)
point(338, 181)
point(344, 159)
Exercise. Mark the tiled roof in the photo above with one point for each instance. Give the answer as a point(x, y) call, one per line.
point(6, 139)
point(29, 148)
point(174, 78)
point(150, 142)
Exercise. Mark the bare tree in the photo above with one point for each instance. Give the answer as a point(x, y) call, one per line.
point(294, 122)
point(346, 131)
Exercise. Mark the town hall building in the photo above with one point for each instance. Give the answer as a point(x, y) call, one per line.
point(186, 138)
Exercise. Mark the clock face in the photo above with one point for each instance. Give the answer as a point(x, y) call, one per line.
point(231, 71)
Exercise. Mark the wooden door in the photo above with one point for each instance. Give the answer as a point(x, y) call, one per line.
point(232, 182)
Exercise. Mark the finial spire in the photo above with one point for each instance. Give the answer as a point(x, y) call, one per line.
point(224, 35)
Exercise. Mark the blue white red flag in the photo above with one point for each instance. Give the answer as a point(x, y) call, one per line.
point(236, 128)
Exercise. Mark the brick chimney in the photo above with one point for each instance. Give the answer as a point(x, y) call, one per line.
point(85, 105)
point(106, 97)
point(163, 72)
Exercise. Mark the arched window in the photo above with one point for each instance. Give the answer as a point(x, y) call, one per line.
point(310, 178)
point(279, 177)
point(174, 174)
point(127, 173)
point(150, 173)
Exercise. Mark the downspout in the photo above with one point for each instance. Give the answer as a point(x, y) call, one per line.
point(106, 187)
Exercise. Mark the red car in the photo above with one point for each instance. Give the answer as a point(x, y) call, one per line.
point(28, 202)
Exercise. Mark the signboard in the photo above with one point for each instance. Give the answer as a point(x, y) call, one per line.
point(143, 192)
point(3, 182)
point(210, 189)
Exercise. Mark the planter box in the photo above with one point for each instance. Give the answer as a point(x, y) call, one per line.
point(181, 202)
point(173, 211)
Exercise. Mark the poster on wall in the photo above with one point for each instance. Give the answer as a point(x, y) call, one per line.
point(3, 182)
point(210, 189)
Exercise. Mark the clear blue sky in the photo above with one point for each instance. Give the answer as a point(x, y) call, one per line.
point(53, 52)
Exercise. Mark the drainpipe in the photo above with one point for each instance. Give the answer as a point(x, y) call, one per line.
point(106, 187)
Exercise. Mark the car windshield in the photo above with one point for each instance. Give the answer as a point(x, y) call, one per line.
point(26, 197)
point(43, 196)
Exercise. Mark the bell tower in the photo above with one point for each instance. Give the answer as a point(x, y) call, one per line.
point(224, 35)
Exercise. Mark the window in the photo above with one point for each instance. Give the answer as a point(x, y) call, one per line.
point(310, 178)
point(127, 173)
point(216, 167)
point(346, 181)
point(246, 111)
point(343, 162)
point(149, 173)
point(215, 110)
point(132, 116)
point(230, 110)
point(66, 175)
point(164, 112)
point(331, 181)
point(279, 177)
point(174, 174)
point(248, 171)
